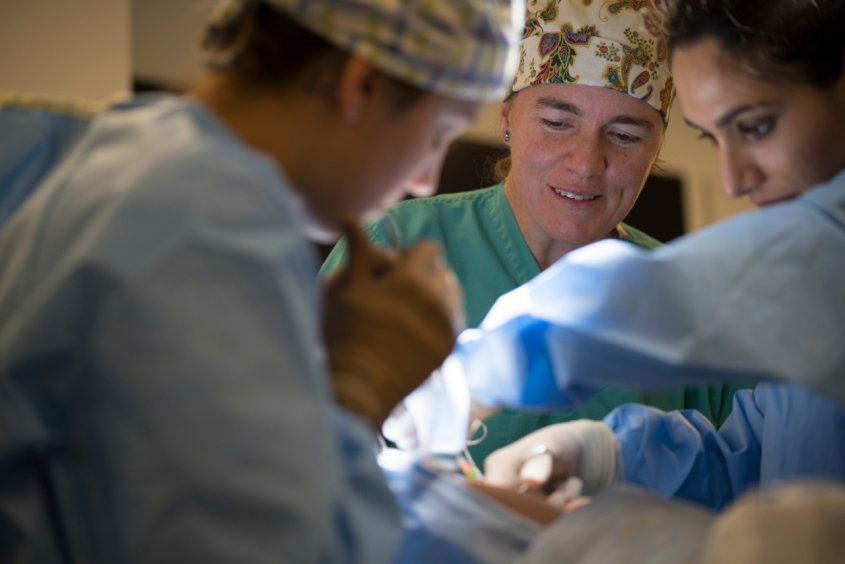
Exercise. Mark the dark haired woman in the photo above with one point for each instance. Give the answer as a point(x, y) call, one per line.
point(761, 295)
point(164, 386)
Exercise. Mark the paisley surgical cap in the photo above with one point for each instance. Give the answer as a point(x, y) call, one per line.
point(463, 49)
point(616, 44)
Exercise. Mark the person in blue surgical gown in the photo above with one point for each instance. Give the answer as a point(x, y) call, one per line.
point(174, 387)
point(760, 296)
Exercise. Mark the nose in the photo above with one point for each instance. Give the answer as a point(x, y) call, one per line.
point(585, 155)
point(740, 174)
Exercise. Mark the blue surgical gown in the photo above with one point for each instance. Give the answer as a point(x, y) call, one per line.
point(777, 432)
point(31, 144)
point(758, 297)
point(164, 394)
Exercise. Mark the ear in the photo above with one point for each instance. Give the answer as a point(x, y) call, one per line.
point(354, 89)
point(504, 121)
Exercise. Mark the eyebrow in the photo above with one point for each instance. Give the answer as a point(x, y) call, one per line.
point(573, 109)
point(631, 120)
point(729, 116)
point(559, 105)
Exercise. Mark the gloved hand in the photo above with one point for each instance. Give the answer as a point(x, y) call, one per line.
point(389, 321)
point(565, 461)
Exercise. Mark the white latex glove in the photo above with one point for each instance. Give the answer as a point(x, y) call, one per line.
point(435, 417)
point(566, 461)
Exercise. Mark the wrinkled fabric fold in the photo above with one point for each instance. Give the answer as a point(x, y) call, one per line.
point(759, 296)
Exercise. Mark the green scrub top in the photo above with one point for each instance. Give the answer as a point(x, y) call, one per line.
point(482, 242)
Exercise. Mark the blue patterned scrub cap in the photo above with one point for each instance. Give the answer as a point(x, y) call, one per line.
point(463, 49)
point(616, 44)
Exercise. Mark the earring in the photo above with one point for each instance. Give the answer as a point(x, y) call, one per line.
point(507, 136)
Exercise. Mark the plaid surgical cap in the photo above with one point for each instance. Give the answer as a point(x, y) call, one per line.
point(463, 49)
point(616, 44)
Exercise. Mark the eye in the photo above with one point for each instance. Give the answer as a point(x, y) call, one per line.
point(554, 124)
point(625, 137)
point(756, 130)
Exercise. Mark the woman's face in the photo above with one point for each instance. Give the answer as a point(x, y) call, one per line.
point(373, 159)
point(775, 140)
point(397, 152)
point(580, 156)
point(407, 153)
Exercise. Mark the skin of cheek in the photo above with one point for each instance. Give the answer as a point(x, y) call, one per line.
point(384, 161)
point(402, 150)
point(812, 154)
point(361, 187)
point(783, 174)
point(796, 156)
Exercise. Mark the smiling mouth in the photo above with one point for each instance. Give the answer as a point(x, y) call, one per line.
point(573, 196)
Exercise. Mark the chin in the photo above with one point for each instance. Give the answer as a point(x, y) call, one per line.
point(579, 237)
point(321, 233)
point(774, 201)
point(374, 214)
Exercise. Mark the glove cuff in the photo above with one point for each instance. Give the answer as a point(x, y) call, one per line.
point(598, 465)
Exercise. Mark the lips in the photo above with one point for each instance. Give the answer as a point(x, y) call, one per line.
point(576, 196)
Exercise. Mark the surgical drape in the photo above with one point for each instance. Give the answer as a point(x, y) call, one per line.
point(757, 296)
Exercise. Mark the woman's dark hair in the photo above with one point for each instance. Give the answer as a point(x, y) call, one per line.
point(263, 47)
point(776, 40)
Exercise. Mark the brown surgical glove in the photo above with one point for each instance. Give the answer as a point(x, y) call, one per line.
point(389, 321)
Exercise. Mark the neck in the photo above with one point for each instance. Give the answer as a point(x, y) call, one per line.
point(276, 121)
point(545, 249)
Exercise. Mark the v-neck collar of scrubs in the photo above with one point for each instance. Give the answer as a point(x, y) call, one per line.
point(520, 261)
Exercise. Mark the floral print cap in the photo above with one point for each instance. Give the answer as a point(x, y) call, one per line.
point(616, 44)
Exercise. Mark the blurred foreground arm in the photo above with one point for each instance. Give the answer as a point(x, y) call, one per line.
point(390, 320)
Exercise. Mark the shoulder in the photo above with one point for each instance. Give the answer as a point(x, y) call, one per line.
point(177, 134)
point(445, 202)
point(176, 150)
point(436, 217)
point(439, 218)
point(167, 172)
point(637, 237)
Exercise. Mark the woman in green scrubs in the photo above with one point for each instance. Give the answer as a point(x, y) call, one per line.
point(584, 120)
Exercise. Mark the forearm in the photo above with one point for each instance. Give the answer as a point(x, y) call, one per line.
point(681, 454)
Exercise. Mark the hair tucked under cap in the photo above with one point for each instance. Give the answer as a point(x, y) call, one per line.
point(777, 40)
point(464, 49)
point(616, 44)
